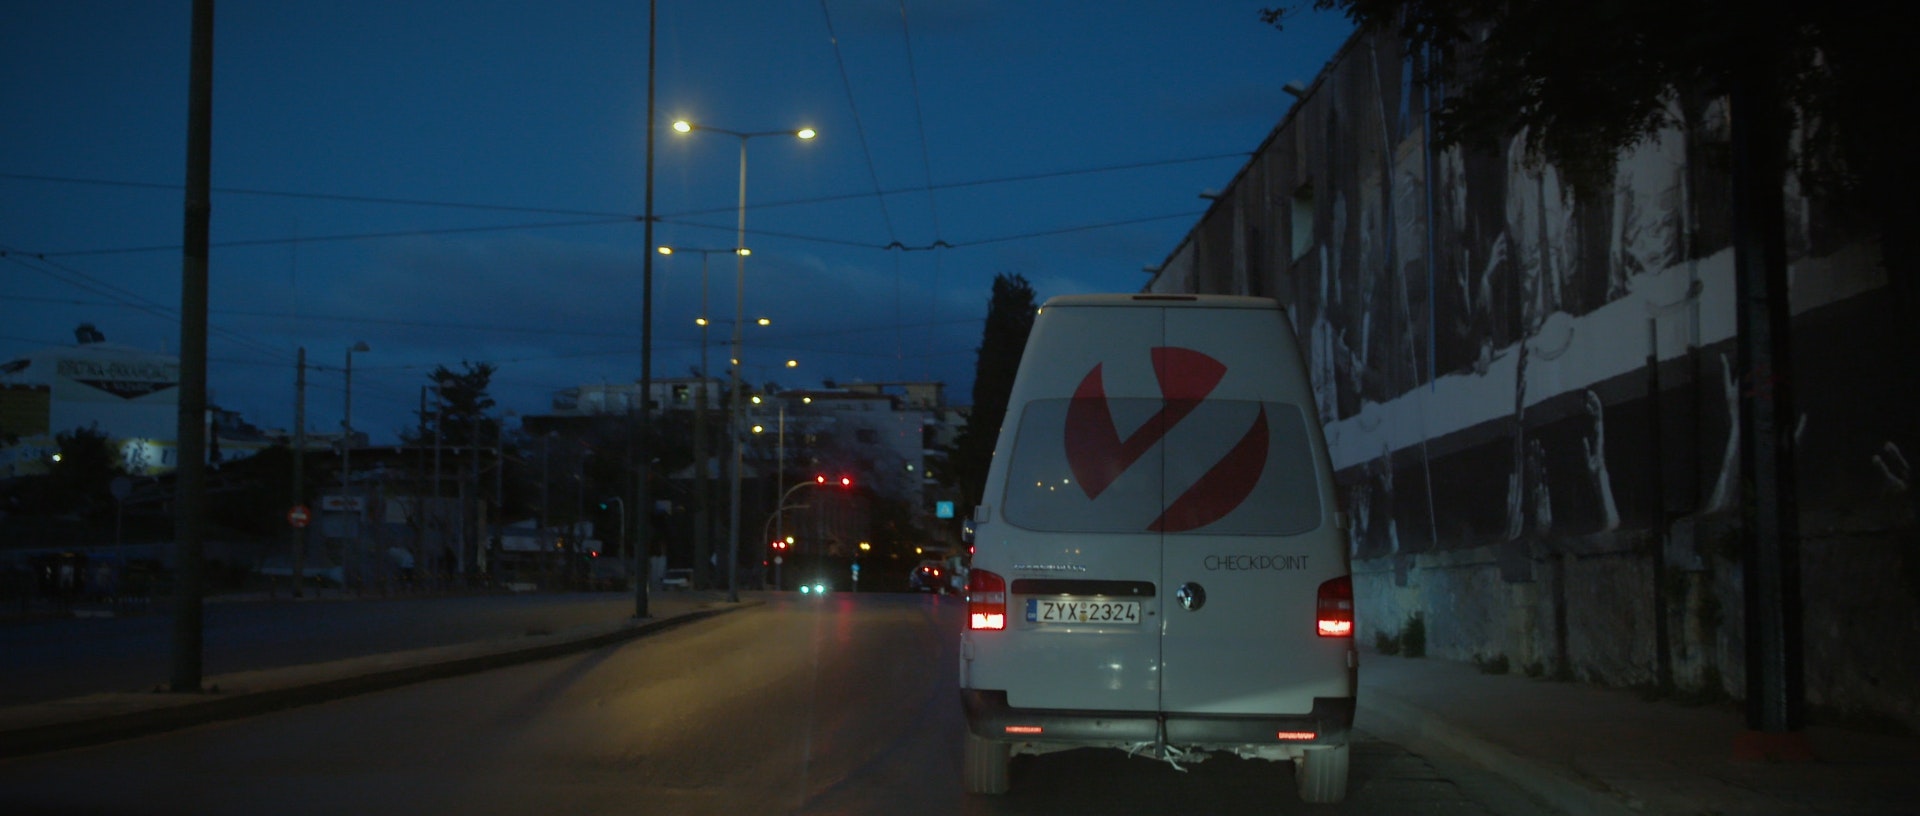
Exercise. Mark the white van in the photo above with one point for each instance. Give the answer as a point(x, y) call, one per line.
point(1159, 565)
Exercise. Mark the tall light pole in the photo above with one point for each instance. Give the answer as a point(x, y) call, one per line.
point(739, 316)
point(346, 457)
point(702, 527)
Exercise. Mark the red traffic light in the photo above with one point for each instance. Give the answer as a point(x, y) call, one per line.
point(779, 545)
point(821, 480)
point(846, 481)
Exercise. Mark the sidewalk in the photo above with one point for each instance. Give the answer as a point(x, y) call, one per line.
point(98, 718)
point(1590, 750)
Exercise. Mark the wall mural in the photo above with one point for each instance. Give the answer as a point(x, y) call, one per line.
point(1487, 336)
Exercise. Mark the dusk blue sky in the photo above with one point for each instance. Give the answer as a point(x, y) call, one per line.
point(452, 181)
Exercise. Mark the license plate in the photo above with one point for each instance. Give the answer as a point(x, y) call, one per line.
point(1082, 611)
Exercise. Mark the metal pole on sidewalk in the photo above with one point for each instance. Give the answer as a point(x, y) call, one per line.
point(299, 548)
point(190, 478)
point(643, 512)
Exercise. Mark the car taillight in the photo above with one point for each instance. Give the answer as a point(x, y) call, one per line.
point(1335, 609)
point(986, 601)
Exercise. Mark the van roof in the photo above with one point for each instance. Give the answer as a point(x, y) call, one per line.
point(1163, 301)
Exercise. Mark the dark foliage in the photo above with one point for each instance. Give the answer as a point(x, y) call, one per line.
point(1581, 81)
point(78, 483)
point(1009, 319)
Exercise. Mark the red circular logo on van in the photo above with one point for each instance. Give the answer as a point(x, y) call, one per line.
point(1097, 455)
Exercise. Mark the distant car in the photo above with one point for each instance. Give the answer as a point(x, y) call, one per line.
point(929, 576)
point(816, 587)
point(677, 578)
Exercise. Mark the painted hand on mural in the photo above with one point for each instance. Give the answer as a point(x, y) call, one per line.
point(1894, 468)
point(1730, 458)
point(1541, 497)
point(1596, 448)
point(1386, 491)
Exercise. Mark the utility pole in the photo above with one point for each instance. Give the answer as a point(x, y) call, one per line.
point(439, 520)
point(499, 495)
point(419, 494)
point(299, 470)
point(546, 479)
point(479, 513)
point(643, 542)
point(191, 437)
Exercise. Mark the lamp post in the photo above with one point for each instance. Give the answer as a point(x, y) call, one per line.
point(346, 456)
point(702, 527)
point(739, 316)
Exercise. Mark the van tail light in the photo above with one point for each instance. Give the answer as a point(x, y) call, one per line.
point(1335, 609)
point(986, 600)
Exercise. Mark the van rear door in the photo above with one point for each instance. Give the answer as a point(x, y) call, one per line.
point(1082, 488)
point(1245, 521)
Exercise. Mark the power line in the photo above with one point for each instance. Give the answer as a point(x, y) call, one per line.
point(926, 174)
point(356, 199)
point(74, 277)
point(363, 236)
point(859, 129)
point(1082, 228)
point(599, 218)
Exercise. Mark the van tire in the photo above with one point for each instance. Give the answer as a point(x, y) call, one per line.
point(1322, 775)
point(984, 765)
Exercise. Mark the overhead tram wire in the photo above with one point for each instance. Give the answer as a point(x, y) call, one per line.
point(987, 182)
point(873, 174)
point(940, 244)
point(933, 208)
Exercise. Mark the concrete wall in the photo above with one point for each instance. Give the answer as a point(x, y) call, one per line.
point(1531, 395)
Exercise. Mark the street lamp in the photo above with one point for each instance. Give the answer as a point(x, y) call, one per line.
point(346, 454)
point(703, 539)
point(739, 315)
point(779, 474)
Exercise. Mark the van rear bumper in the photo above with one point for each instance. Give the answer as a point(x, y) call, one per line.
point(989, 716)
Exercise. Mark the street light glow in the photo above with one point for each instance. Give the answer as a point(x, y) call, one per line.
point(759, 429)
point(699, 321)
point(665, 250)
point(806, 133)
point(764, 321)
point(743, 251)
point(793, 363)
point(683, 126)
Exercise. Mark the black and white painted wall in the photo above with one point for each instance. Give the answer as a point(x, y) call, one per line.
point(1531, 394)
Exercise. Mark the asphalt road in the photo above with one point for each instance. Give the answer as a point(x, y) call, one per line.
point(844, 704)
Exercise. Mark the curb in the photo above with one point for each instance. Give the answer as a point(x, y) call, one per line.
point(157, 713)
point(1563, 789)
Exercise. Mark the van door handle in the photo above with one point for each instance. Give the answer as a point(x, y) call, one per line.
point(1191, 596)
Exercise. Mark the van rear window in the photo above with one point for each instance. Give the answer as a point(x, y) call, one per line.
point(1214, 467)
